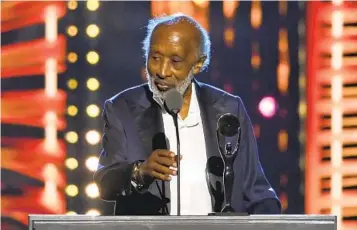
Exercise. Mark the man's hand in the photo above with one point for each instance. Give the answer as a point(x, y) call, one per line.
point(160, 165)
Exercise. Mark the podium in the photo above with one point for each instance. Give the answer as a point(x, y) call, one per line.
point(253, 222)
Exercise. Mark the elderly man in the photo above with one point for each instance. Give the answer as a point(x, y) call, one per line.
point(137, 166)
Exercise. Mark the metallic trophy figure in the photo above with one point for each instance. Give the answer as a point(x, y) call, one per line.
point(228, 127)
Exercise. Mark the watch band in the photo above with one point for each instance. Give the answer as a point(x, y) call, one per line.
point(136, 176)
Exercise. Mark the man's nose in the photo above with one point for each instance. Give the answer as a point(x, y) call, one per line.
point(165, 70)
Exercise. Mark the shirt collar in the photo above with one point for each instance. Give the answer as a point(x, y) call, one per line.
point(193, 116)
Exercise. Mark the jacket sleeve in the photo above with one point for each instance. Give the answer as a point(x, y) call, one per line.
point(259, 196)
point(114, 172)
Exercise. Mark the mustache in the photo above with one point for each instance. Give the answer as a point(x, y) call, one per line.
point(163, 82)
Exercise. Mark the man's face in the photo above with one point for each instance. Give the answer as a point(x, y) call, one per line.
point(173, 58)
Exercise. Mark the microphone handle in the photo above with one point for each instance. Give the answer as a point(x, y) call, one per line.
point(178, 166)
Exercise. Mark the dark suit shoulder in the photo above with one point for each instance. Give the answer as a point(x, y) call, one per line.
point(218, 93)
point(129, 93)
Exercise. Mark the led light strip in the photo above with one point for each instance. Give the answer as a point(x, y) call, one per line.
point(50, 195)
point(51, 80)
point(336, 115)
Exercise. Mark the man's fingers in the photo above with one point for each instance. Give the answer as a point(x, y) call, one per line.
point(176, 157)
point(165, 153)
point(164, 170)
point(161, 176)
point(167, 161)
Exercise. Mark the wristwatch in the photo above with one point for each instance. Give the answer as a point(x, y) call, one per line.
point(137, 178)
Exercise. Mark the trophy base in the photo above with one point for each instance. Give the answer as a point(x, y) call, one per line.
point(228, 214)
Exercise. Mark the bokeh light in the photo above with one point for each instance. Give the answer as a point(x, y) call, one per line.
point(72, 57)
point(93, 110)
point(92, 57)
point(72, 84)
point(268, 107)
point(92, 163)
point(72, 190)
point(71, 213)
point(93, 212)
point(71, 137)
point(92, 30)
point(93, 137)
point(92, 5)
point(72, 110)
point(92, 190)
point(93, 84)
point(72, 30)
point(71, 163)
point(72, 4)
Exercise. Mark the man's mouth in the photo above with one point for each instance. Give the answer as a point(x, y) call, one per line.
point(162, 86)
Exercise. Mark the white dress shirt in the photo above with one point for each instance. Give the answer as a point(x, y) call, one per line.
point(195, 197)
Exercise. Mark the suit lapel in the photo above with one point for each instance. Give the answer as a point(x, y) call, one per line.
point(149, 124)
point(148, 121)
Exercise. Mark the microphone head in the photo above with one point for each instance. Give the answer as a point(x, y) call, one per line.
point(228, 125)
point(215, 166)
point(173, 101)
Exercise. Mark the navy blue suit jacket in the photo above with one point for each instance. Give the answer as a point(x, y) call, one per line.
point(134, 128)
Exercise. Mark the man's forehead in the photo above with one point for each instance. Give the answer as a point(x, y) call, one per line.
point(177, 34)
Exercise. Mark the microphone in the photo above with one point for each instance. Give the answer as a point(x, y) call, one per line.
point(173, 102)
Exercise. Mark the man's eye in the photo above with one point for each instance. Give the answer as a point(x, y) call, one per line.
point(176, 60)
point(155, 57)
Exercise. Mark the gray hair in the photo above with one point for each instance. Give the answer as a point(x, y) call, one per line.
point(173, 19)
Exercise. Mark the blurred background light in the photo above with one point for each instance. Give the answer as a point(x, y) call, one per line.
point(72, 4)
point(71, 137)
point(92, 190)
point(92, 5)
point(268, 107)
point(72, 190)
point(201, 3)
point(93, 84)
point(71, 163)
point(93, 212)
point(93, 137)
point(92, 30)
point(72, 110)
point(70, 213)
point(92, 163)
point(92, 57)
point(72, 57)
point(72, 30)
point(93, 110)
point(72, 84)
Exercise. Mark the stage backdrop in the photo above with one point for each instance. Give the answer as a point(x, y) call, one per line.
point(62, 60)
point(254, 55)
point(32, 111)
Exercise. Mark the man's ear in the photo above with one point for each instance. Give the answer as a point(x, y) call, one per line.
point(198, 67)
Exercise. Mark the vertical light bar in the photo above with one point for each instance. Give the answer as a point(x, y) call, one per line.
point(51, 80)
point(51, 63)
point(50, 196)
point(229, 12)
point(336, 115)
point(337, 24)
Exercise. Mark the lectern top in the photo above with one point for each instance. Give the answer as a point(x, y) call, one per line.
point(253, 222)
point(160, 218)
